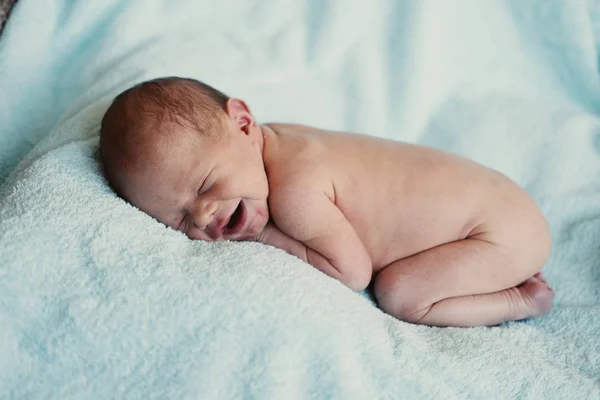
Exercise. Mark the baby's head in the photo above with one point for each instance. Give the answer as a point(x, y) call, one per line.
point(189, 156)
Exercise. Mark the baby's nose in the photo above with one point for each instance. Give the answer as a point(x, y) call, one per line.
point(204, 213)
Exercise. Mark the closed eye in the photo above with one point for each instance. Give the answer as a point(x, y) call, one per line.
point(204, 186)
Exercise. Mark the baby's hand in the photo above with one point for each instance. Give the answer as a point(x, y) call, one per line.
point(273, 236)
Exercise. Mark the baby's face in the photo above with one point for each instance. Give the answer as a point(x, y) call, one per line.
point(209, 190)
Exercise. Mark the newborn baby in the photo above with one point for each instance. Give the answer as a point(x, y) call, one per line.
point(445, 241)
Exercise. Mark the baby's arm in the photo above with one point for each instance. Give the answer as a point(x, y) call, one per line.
point(310, 218)
point(273, 236)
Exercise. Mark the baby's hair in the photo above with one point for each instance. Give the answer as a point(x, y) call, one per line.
point(156, 107)
point(183, 101)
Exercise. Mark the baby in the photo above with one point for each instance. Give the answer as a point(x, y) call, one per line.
point(445, 241)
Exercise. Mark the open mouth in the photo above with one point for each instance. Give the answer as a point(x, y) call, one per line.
point(237, 220)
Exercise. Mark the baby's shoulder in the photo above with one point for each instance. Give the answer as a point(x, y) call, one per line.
point(295, 182)
point(299, 179)
point(299, 164)
point(297, 198)
point(285, 128)
point(294, 151)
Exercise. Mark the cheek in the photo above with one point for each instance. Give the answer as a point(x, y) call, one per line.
point(265, 188)
point(260, 183)
point(262, 212)
point(262, 218)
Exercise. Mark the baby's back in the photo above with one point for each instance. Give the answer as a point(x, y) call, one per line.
point(400, 198)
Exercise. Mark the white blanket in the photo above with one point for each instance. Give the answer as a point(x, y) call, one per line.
point(98, 300)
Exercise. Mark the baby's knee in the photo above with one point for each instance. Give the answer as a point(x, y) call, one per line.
point(397, 296)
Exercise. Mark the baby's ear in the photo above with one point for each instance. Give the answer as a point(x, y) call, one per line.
point(239, 112)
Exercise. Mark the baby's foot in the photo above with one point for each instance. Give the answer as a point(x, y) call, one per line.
point(532, 298)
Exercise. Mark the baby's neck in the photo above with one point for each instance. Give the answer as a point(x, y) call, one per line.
point(269, 147)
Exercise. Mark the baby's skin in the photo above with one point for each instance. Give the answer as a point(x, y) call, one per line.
point(444, 240)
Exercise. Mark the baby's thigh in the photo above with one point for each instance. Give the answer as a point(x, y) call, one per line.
point(506, 255)
point(476, 264)
point(460, 268)
point(521, 231)
point(505, 249)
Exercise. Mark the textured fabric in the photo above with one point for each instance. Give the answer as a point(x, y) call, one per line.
point(99, 301)
point(5, 7)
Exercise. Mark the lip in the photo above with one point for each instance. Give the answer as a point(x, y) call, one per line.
point(240, 223)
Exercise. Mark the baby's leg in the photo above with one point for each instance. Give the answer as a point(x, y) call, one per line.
point(465, 283)
point(532, 298)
